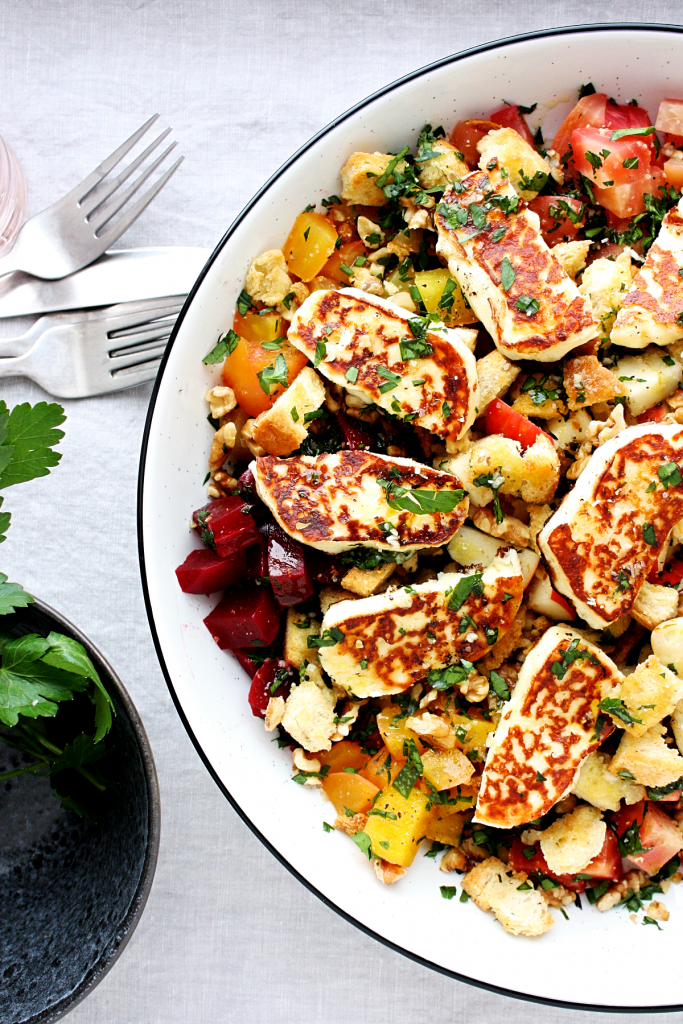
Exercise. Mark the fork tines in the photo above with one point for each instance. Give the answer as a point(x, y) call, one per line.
point(91, 197)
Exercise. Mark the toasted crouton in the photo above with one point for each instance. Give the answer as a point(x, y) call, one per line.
point(606, 283)
point(520, 161)
point(599, 787)
point(655, 604)
point(282, 428)
point(572, 256)
point(388, 873)
point(442, 170)
point(530, 399)
point(267, 278)
point(494, 886)
point(297, 631)
point(571, 842)
point(365, 582)
point(495, 374)
point(650, 694)
point(677, 724)
point(357, 187)
point(588, 382)
point(648, 758)
point(667, 638)
point(333, 595)
point(309, 711)
point(533, 474)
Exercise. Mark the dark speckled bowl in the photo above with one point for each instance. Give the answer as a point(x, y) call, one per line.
point(72, 890)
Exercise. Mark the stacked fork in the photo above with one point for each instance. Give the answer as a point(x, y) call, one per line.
point(80, 355)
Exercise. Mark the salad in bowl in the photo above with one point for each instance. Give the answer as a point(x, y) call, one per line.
point(446, 507)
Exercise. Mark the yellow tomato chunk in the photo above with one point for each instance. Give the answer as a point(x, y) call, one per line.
point(471, 733)
point(349, 791)
point(446, 768)
point(432, 284)
point(447, 825)
point(344, 754)
point(391, 723)
point(396, 825)
point(309, 245)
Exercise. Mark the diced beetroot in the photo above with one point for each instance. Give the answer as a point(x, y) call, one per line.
point(257, 557)
point(245, 661)
point(246, 617)
point(247, 482)
point(260, 691)
point(227, 525)
point(204, 572)
point(325, 568)
point(289, 575)
point(354, 437)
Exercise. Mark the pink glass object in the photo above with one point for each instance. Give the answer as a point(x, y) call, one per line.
point(12, 197)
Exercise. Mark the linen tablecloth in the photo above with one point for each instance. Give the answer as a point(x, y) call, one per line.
point(228, 935)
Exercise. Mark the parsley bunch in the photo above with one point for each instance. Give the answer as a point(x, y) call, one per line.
point(39, 675)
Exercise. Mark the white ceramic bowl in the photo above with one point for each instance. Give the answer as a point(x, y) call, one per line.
point(594, 959)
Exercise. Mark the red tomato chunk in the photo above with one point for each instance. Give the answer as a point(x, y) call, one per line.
point(227, 525)
point(246, 617)
point(509, 116)
point(607, 864)
point(608, 163)
point(503, 419)
point(645, 825)
point(561, 217)
point(205, 572)
point(289, 575)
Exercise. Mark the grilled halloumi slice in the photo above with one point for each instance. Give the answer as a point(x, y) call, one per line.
point(355, 339)
point(391, 641)
point(531, 308)
point(653, 311)
point(337, 502)
point(546, 730)
point(604, 539)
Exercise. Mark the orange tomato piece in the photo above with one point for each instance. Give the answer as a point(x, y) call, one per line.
point(243, 365)
point(344, 256)
point(673, 169)
point(309, 245)
point(378, 768)
point(345, 754)
point(349, 792)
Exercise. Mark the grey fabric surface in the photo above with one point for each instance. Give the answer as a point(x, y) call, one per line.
point(228, 934)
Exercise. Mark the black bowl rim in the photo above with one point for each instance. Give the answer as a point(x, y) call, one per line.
point(622, 26)
point(64, 1005)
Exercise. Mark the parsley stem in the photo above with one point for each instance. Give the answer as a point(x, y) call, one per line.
point(28, 769)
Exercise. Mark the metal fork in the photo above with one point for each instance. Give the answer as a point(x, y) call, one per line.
point(104, 350)
point(73, 232)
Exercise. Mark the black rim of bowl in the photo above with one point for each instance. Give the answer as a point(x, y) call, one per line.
point(137, 905)
point(453, 59)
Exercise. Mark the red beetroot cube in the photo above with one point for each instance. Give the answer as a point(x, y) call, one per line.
point(257, 557)
point(325, 568)
point(354, 438)
point(204, 572)
point(246, 617)
point(261, 690)
point(245, 661)
point(289, 575)
point(226, 525)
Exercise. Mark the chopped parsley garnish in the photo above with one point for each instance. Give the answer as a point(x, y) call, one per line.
point(649, 535)
point(320, 352)
point(448, 891)
point(616, 707)
point(352, 374)
point(534, 184)
point(670, 475)
point(364, 843)
point(392, 379)
point(621, 132)
point(453, 675)
point(507, 274)
point(223, 348)
point(630, 843)
point(630, 162)
point(411, 771)
point(414, 348)
point(445, 410)
point(569, 656)
point(527, 304)
point(494, 481)
point(446, 300)
point(273, 375)
point(499, 686)
point(544, 390)
point(497, 235)
point(244, 303)
point(468, 585)
point(329, 638)
point(623, 582)
point(419, 501)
